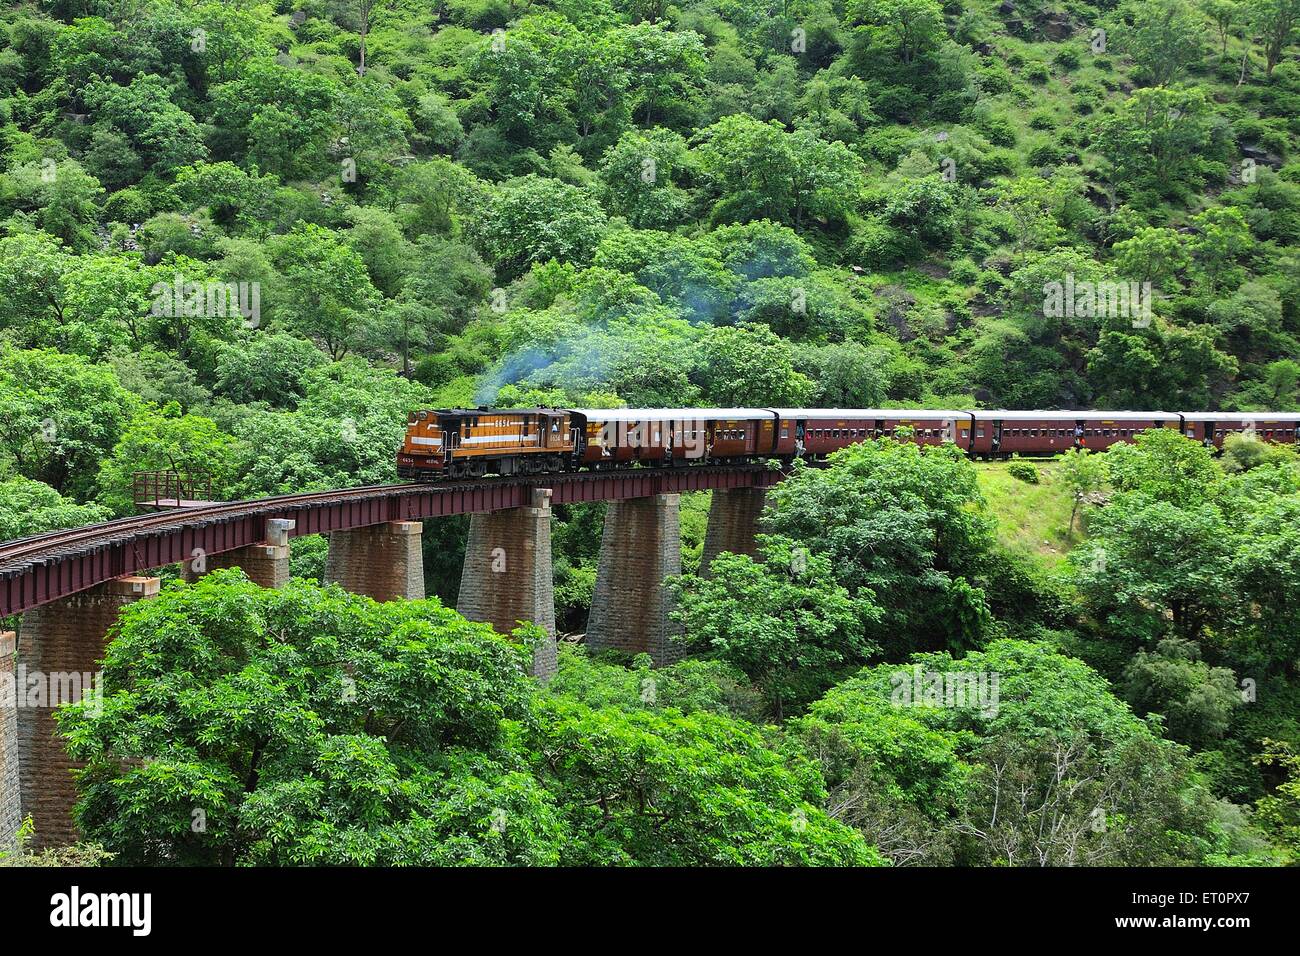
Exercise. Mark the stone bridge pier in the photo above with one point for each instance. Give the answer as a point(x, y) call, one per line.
point(507, 576)
point(60, 648)
point(640, 548)
point(10, 793)
point(733, 523)
point(382, 561)
point(265, 563)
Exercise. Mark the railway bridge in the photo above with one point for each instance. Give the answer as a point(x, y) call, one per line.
point(68, 586)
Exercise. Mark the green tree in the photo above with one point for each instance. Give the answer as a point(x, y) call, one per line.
point(330, 295)
point(1155, 137)
point(306, 726)
point(1084, 473)
point(266, 367)
point(642, 175)
point(665, 70)
point(759, 171)
point(163, 439)
point(1164, 465)
point(666, 789)
point(1277, 24)
point(532, 219)
point(164, 135)
point(31, 507)
point(1195, 699)
point(1279, 812)
point(46, 427)
point(901, 522)
point(1042, 767)
point(1164, 40)
point(1226, 14)
point(783, 620)
point(1154, 255)
point(913, 26)
point(750, 365)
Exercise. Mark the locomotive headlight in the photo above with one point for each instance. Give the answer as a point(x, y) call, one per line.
point(423, 415)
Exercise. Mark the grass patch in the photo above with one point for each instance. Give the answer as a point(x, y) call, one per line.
point(1032, 519)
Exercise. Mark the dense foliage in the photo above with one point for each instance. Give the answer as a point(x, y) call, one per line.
point(245, 239)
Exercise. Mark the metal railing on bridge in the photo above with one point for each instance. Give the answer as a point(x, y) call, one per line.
point(170, 489)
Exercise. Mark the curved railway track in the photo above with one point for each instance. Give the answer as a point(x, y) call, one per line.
point(43, 567)
point(52, 543)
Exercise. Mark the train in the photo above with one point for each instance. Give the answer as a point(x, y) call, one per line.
point(473, 442)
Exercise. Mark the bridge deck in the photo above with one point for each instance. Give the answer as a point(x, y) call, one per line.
point(44, 568)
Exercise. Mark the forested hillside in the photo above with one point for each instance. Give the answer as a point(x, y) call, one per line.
point(247, 239)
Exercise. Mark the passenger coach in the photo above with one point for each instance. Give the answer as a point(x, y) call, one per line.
point(471, 443)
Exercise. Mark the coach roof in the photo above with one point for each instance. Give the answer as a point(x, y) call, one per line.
point(672, 414)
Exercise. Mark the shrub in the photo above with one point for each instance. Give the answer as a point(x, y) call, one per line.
point(1023, 471)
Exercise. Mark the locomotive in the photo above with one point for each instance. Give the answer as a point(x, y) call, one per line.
point(470, 443)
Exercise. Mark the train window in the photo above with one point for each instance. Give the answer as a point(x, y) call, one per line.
point(979, 433)
point(785, 433)
point(965, 433)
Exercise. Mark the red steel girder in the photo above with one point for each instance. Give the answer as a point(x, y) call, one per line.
point(44, 568)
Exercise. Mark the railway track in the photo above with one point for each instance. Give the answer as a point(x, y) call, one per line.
point(34, 548)
point(21, 553)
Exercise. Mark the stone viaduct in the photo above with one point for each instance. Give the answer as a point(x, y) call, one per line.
point(69, 586)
